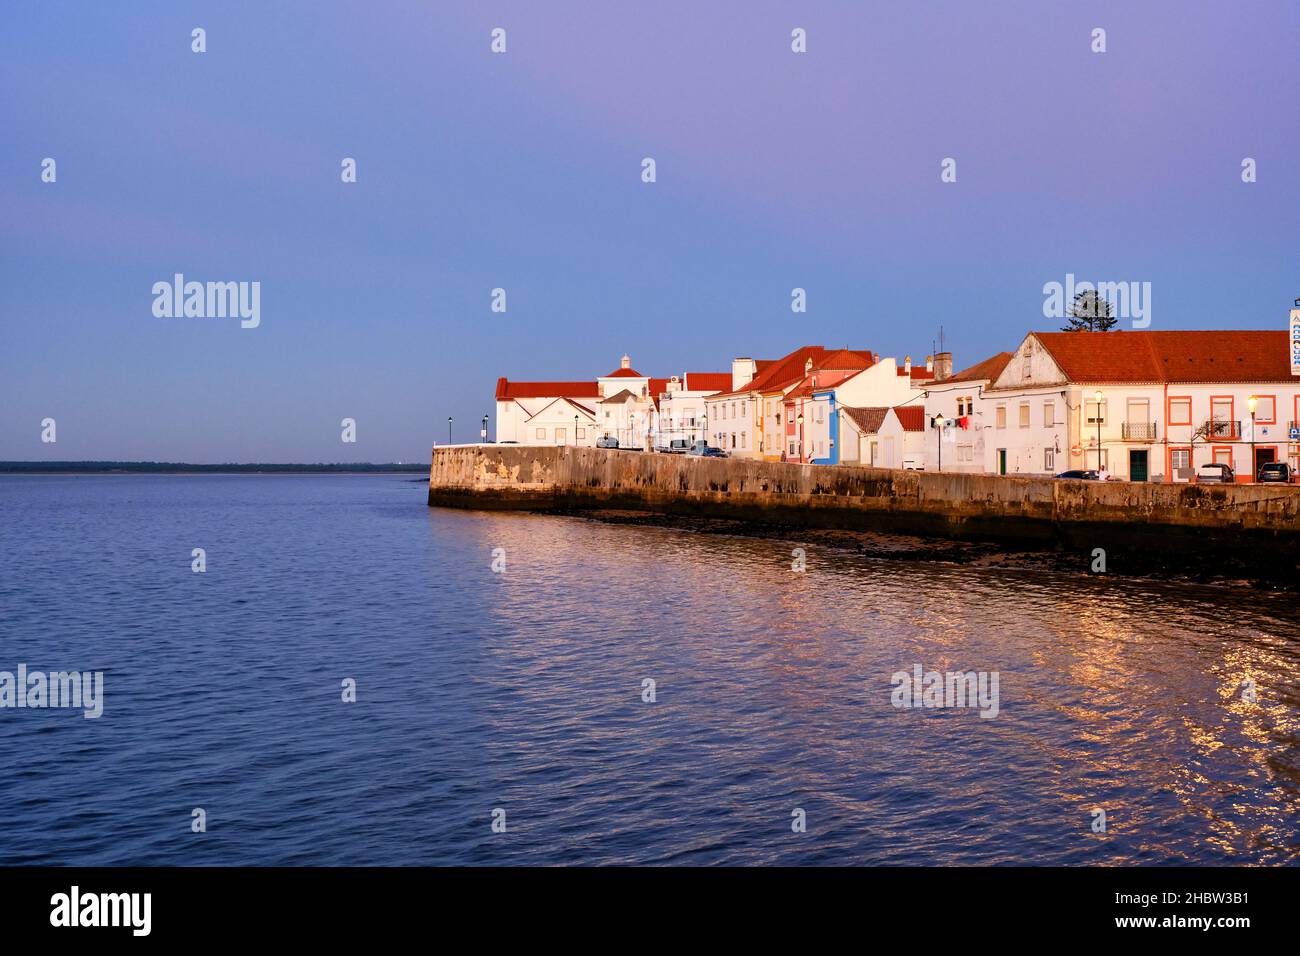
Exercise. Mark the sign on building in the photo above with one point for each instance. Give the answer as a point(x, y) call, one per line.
point(1295, 341)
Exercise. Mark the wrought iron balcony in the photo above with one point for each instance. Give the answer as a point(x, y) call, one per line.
point(1219, 428)
point(1139, 431)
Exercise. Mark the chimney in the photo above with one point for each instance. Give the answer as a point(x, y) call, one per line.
point(907, 365)
point(627, 361)
point(942, 366)
point(742, 372)
point(929, 363)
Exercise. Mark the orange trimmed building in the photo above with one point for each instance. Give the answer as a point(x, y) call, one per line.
point(1146, 405)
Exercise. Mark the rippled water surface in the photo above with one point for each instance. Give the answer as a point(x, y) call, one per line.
point(523, 691)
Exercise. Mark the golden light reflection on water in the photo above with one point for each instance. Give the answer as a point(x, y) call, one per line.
point(1117, 694)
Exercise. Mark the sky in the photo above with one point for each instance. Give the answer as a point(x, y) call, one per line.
point(523, 171)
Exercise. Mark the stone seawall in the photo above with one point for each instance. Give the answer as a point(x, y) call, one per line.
point(1196, 521)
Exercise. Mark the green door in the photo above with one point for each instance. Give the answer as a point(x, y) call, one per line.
point(1137, 466)
point(1002, 461)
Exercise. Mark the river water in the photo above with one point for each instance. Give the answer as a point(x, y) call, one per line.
point(519, 696)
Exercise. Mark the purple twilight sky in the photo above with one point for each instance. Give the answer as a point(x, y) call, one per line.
point(523, 170)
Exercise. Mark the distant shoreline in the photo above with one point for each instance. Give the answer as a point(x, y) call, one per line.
point(185, 468)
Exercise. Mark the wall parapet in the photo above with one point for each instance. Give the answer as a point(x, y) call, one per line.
point(851, 496)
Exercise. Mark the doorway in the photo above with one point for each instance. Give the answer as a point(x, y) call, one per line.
point(1137, 465)
point(1263, 456)
point(1002, 461)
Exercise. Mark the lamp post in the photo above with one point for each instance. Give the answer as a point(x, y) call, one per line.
point(938, 424)
point(575, 431)
point(483, 431)
point(704, 428)
point(1251, 403)
point(1098, 413)
point(799, 419)
point(448, 429)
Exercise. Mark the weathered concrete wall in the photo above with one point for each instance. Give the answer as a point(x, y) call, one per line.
point(1213, 518)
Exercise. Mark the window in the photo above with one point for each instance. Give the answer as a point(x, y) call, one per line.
point(1002, 416)
point(733, 439)
point(541, 432)
point(560, 435)
point(1221, 409)
point(1223, 455)
point(1265, 410)
point(778, 418)
point(1180, 458)
point(1139, 411)
point(1095, 412)
point(1049, 414)
point(744, 437)
point(1049, 459)
point(1024, 414)
point(820, 410)
point(1180, 411)
point(965, 452)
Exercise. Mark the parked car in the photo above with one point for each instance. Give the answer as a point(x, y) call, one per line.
point(678, 446)
point(1274, 472)
point(1215, 472)
point(607, 442)
point(706, 451)
point(1080, 474)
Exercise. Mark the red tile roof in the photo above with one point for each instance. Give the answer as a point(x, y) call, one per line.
point(657, 386)
point(708, 381)
point(845, 360)
point(1255, 355)
point(624, 373)
point(791, 368)
point(985, 371)
point(821, 380)
point(867, 419)
point(911, 417)
point(507, 390)
point(916, 371)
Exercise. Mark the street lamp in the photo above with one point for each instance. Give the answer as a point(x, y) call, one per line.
point(704, 428)
point(1251, 403)
point(575, 431)
point(483, 431)
point(448, 429)
point(799, 419)
point(1097, 395)
point(938, 424)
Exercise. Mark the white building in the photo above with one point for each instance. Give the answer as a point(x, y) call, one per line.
point(624, 404)
point(681, 405)
point(959, 401)
point(1146, 405)
point(542, 413)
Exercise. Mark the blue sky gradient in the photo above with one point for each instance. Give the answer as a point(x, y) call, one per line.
point(522, 170)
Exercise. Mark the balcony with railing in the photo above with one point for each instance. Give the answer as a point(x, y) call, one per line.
point(1222, 429)
point(1139, 431)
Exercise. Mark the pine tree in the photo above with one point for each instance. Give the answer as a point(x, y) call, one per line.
point(1090, 313)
